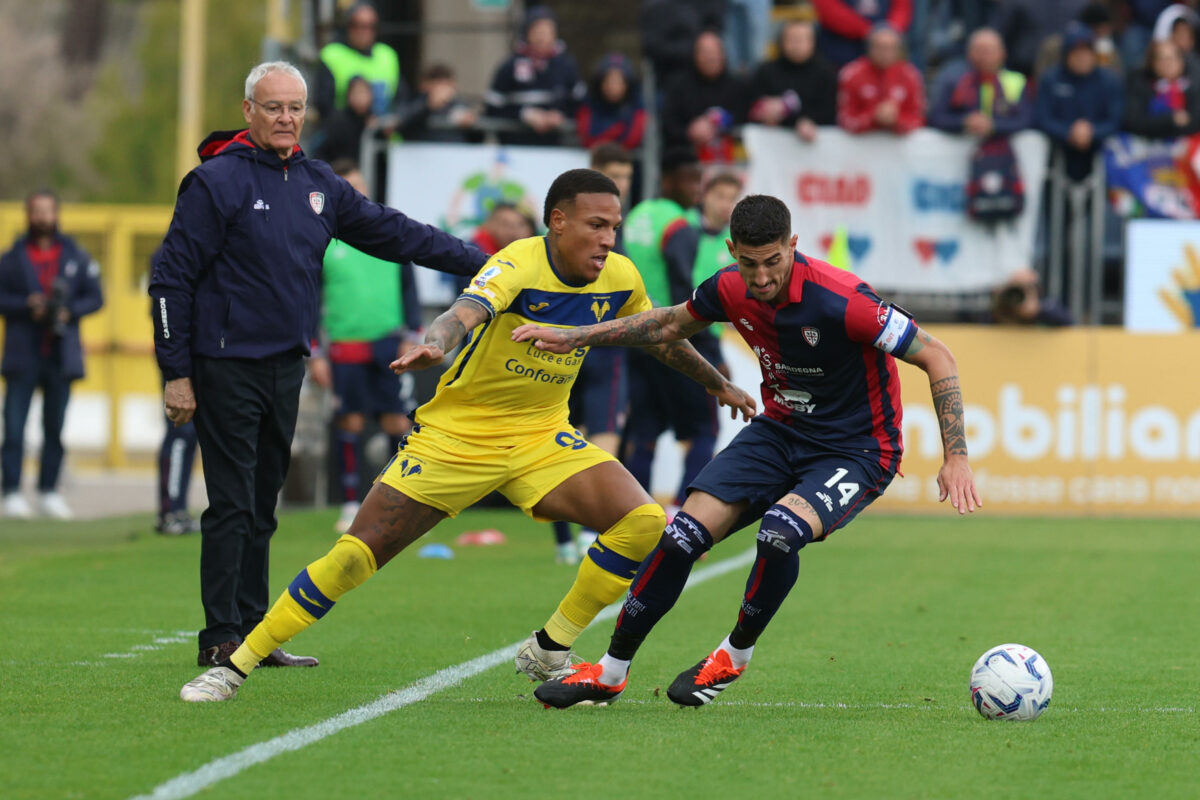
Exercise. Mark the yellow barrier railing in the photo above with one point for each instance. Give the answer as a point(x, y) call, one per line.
point(117, 340)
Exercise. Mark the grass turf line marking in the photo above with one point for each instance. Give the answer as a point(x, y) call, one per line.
point(190, 783)
point(840, 706)
point(160, 639)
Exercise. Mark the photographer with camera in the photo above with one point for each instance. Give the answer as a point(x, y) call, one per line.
point(1019, 301)
point(47, 283)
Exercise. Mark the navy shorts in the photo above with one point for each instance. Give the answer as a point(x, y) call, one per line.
point(661, 399)
point(371, 387)
point(599, 396)
point(768, 460)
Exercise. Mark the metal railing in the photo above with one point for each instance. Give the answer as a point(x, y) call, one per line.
point(1074, 264)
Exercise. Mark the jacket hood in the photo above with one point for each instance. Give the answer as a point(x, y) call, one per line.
point(1076, 34)
point(612, 61)
point(219, 143)
point(1169, 16)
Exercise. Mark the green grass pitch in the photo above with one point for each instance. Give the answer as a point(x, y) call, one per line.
point(858, 690)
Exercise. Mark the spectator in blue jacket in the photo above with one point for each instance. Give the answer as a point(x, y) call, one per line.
point(980, 97)
point(538, 85)
point(235, 291)
point(612, 110)
point(47, 283)
point(1079, 103)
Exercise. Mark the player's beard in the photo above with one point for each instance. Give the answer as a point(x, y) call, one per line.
point(43, 230)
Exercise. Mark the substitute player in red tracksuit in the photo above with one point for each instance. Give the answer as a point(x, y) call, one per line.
point(827, 444)
point(881, 91)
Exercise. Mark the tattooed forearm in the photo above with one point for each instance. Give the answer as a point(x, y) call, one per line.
point(446, 331)
point(947, 403)
point(639, 330)
point(681, 356)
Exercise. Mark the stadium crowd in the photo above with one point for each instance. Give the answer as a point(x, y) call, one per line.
point(1078, 70)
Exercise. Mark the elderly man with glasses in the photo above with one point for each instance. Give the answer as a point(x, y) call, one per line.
point(235, 293)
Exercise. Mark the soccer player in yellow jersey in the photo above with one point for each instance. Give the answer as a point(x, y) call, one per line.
point(499, 422)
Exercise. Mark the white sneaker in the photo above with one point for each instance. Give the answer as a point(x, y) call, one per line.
point(349, 511)
point(542, 665)
point(16, 506)
point(219, 683)
point(52, 504)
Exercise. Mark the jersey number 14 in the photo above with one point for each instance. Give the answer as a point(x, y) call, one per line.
point(846, 489)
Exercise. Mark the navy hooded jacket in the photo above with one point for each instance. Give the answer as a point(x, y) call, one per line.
point(1064, 97)
point(22, 336)
point(239, 272)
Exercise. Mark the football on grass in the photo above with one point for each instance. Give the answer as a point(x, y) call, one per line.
point(1011, 681)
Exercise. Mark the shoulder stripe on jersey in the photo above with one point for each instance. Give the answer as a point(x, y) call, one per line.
point(568, 308)
point(471, 348)
point(883, 399)
point(673, 228)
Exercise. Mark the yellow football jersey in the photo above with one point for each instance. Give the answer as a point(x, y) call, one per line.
point(500, 391)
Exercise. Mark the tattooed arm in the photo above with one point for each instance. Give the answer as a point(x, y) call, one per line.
point(656, 326)
point(682, 357)
point(443, 336)
point(659, 331)
point(954, 478)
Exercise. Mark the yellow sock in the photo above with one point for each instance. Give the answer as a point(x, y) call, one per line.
point(606, 573)
point(308, 598)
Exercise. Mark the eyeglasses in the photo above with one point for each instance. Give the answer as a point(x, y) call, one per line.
point(273, 109)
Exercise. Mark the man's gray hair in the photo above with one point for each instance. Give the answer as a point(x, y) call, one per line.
point(266, 68)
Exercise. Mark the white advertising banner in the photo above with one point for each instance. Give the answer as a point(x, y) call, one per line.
point(1162, 276)
point(899, 200)
point(454, 186)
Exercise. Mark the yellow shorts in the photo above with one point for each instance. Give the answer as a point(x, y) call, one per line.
point(449, 474)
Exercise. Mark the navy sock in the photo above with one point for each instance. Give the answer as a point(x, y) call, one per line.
point(659, 582)
point(562, 531)
point(639, 460)
point(349, 454)
point(780, 538)
point(697, 458)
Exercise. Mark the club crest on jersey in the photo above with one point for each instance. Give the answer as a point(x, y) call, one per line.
point(600, 308)
point(317, 201)
point(410, 465)
point(811, 335)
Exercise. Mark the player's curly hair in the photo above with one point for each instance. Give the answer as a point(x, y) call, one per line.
point(574, 182)
point(760, 219)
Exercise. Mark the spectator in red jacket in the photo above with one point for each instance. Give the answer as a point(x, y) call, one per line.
point(847, 24)
point(881, 91)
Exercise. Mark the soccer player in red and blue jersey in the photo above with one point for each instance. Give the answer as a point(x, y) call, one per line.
point(826, 446)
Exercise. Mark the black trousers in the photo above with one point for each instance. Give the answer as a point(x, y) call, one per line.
point(245, 420)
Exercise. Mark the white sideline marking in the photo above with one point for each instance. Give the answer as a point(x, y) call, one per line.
point(160, 639)
point(215, 771)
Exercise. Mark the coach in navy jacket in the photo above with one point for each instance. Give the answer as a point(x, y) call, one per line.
point(235, 293)
point(42, 304)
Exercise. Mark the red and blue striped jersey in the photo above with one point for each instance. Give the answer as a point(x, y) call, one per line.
point(825, 350)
